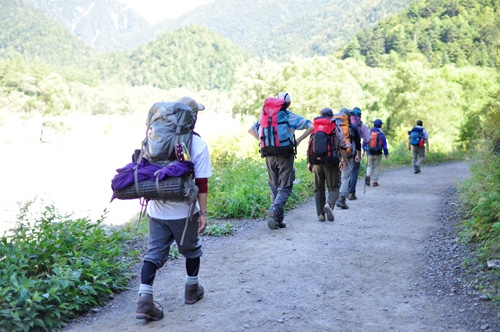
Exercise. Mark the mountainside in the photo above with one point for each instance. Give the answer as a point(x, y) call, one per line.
point(244, 20)
point(103, 24)
point(265, 28)
point(28, 32)
point(193, 57)
point(325, 29)
point(441, 31)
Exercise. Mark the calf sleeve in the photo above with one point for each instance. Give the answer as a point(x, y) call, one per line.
point(148, 273)
point(192, 266)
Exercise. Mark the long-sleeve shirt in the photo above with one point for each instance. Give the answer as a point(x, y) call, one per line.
point(384, 143)
point(364, 132)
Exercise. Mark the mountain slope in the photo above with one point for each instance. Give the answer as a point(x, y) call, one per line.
point(242, 21)
point(441, 31)
point(325, 30)
point(192, 57)
point(28, 32)
point(103, 24)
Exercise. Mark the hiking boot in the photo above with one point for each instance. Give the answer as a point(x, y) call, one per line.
point(329, 212)
point(367, 180)
point(321, 217)
point(193, 293)
point(417, 169)
point(280, 224)
point(146, 309)
point(341, 203)
point(271, 219)
point(352, 197)
point(375, 184)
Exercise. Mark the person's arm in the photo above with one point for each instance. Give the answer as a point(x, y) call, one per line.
point(252, 132)
point(308, 131)
point(426, 142)
point(384, 144)
point(357, 141)
point(409, 145)
point(202, 219)
point(343, 160)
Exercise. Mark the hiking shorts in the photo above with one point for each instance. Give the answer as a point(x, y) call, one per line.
point(162, 234)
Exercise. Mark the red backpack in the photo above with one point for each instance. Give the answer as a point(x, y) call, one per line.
point(321, 149)
point(275, 140)
point(375, 145)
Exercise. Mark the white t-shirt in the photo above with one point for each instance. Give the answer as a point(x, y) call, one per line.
point(202, 169)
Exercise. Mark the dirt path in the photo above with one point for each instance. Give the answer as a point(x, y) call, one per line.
point(362, 272)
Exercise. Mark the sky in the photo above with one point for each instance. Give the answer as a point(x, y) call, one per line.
point(158, 10)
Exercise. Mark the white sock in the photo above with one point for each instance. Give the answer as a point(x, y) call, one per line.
point(191, 280)
point(145, 289)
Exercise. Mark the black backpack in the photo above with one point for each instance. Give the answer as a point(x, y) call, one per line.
point(321, 149)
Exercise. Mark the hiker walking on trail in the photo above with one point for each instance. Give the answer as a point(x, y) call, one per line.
point(364, 133)
point(353, 155)
point(378, 144)
point(275, 132)
point(169, 221)
point(326, 157)
point(418, 140)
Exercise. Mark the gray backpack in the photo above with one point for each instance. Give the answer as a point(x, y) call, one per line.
point(168, 140)
point(169, 125)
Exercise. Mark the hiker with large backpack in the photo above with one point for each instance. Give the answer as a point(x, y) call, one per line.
point(364, 133)
point(275, 131)
point(326, 157)
point(418, 140)
point(353, 141)
point(172, 140)
point(377, 146)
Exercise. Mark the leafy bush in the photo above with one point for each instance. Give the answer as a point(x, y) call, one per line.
point(55, 268)
point(239, 185)
point(218, 229)
point(481, 192)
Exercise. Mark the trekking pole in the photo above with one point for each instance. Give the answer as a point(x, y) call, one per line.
point(366, 152)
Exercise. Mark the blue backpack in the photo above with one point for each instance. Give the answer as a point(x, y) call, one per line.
point(416, 136)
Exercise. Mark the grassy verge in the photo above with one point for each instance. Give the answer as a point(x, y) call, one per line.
point(54, 268)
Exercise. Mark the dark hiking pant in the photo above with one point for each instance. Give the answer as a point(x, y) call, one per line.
point(354, 177)
point(281, 176)
point(331, 175)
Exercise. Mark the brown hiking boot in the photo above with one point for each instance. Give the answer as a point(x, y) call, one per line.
point(329, 212)
point(367, 180)
point(271, 219)
point(341, 203)
point(146, 309)
point(193, 294)
point(352, 197)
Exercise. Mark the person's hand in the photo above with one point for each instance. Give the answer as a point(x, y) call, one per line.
point(357, 159)
point(342, 164)
point(386, 156)
point(309, 167)
point(202, 223)
point(409, 148)
point(297, 142)
point(363, 155)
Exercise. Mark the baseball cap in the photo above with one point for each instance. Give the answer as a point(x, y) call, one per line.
point(191, 103)
point(327, 112)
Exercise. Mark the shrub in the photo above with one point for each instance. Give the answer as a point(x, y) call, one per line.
point(55, 268)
